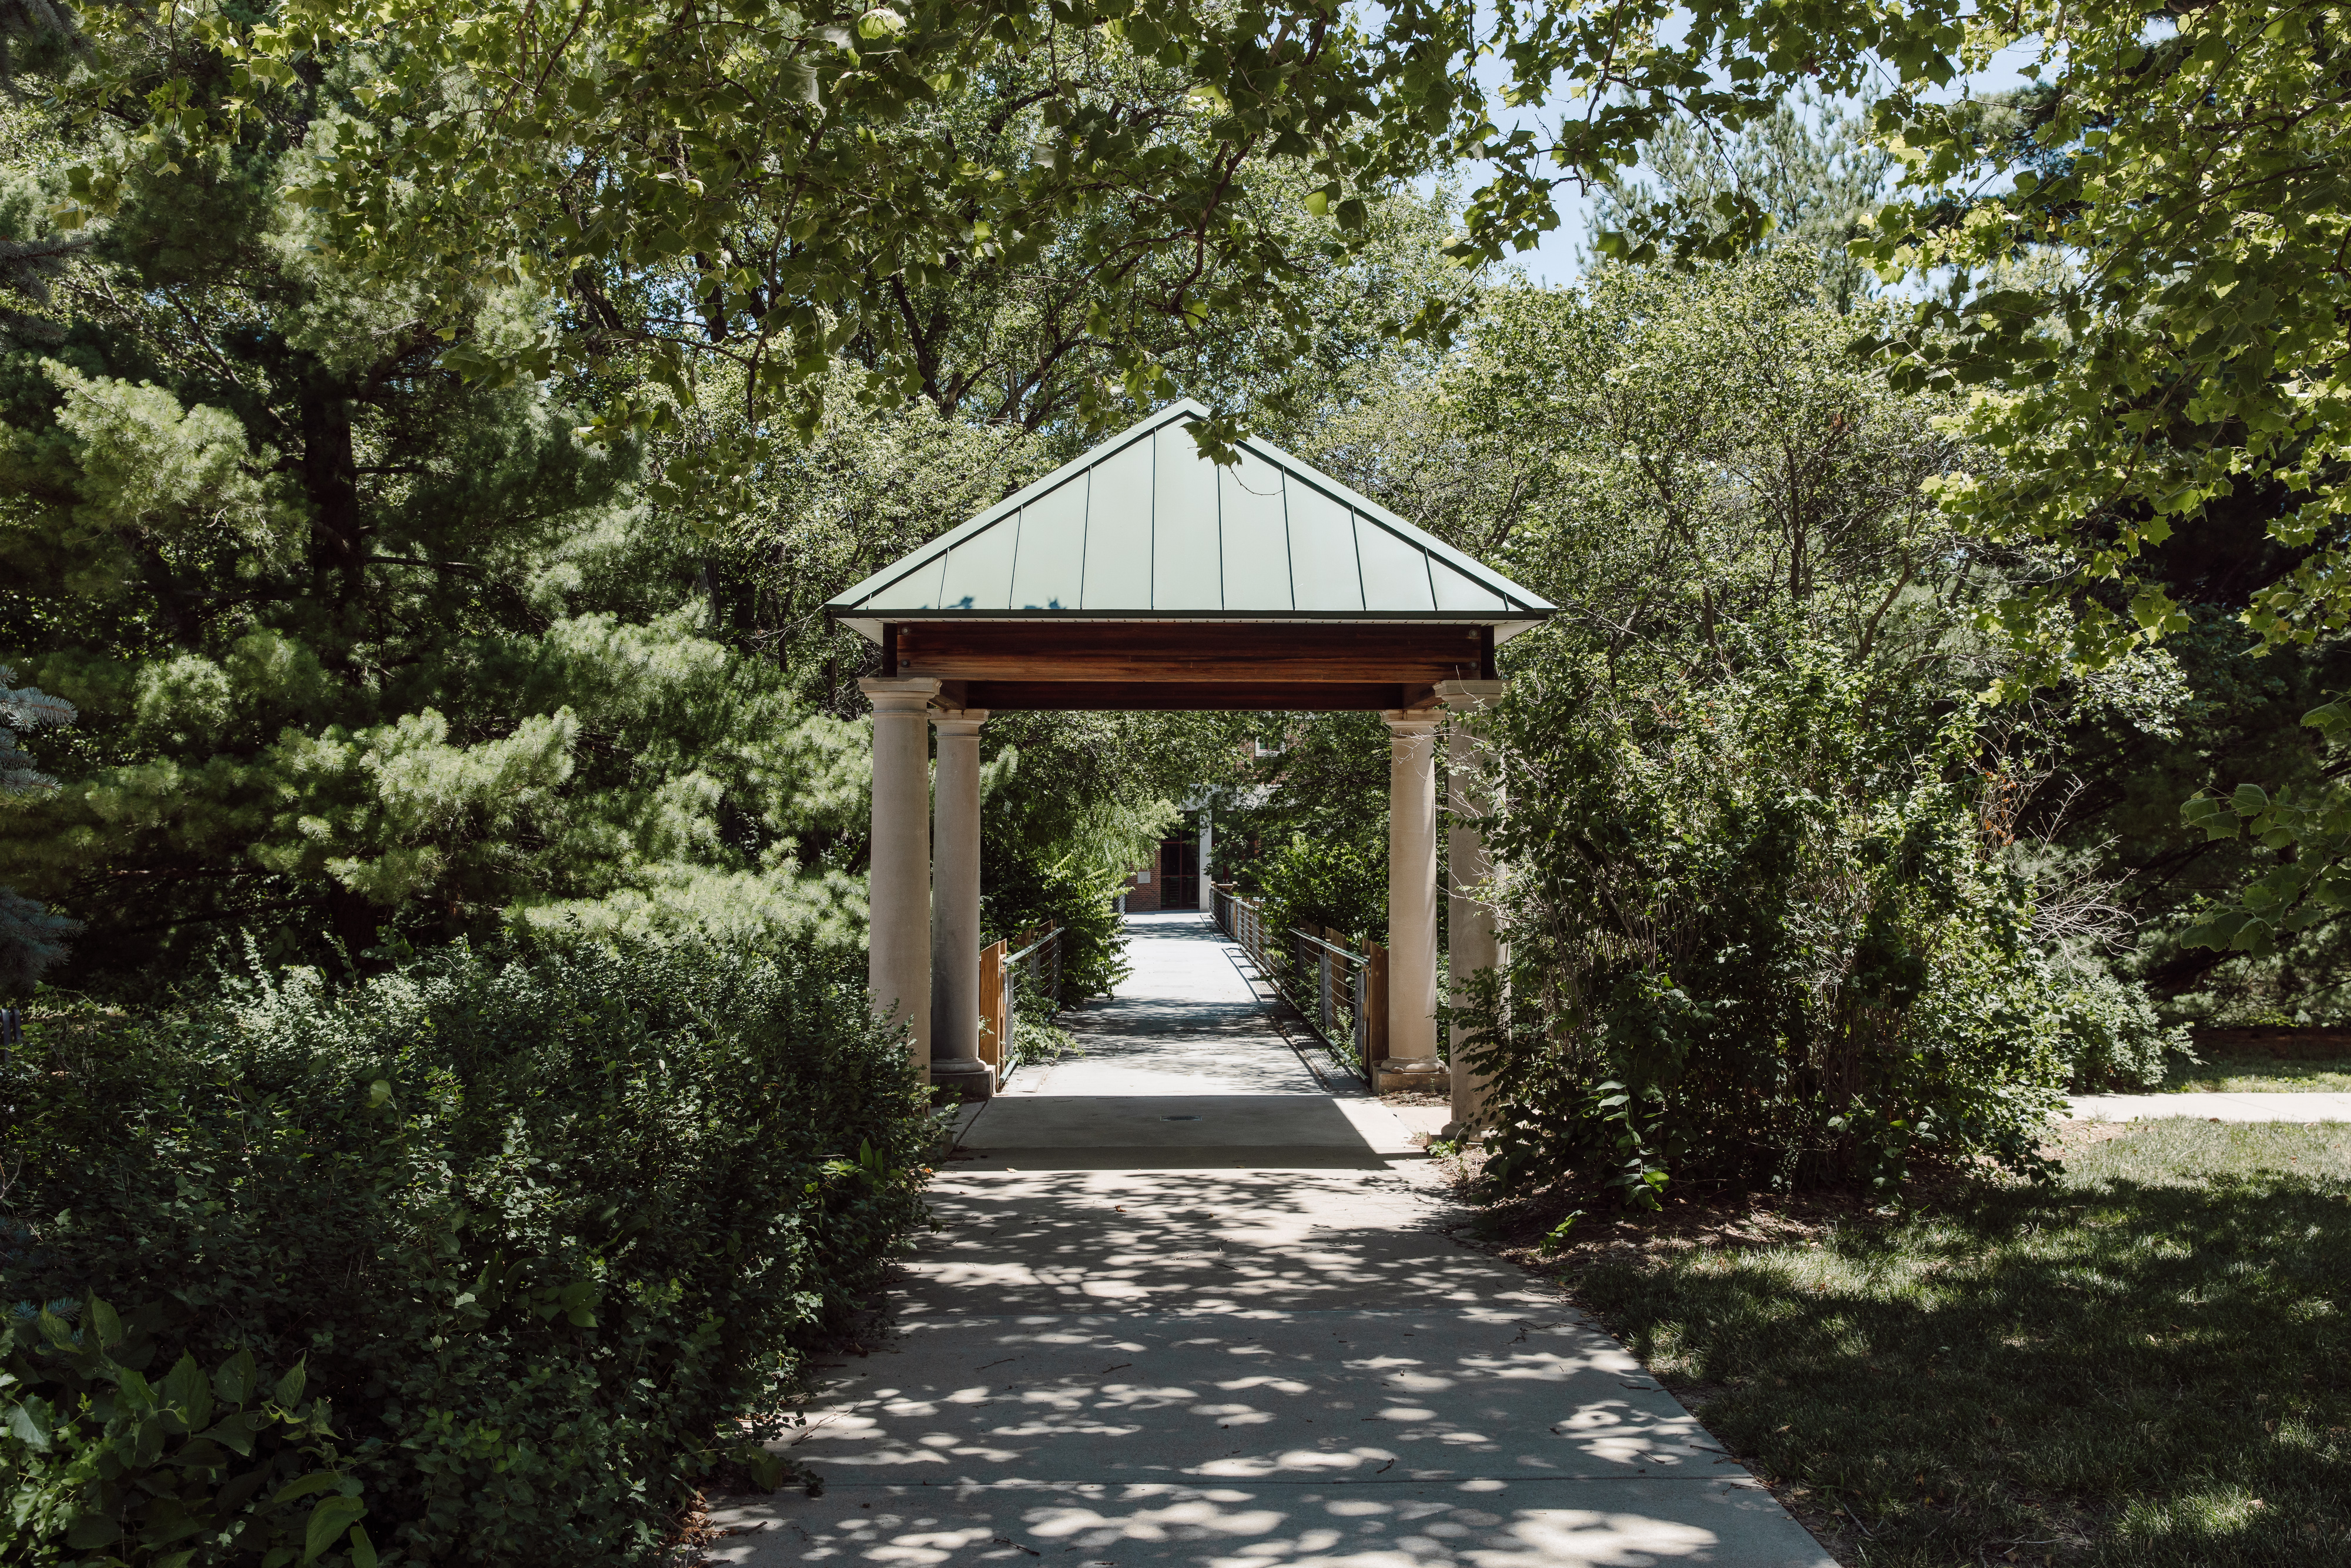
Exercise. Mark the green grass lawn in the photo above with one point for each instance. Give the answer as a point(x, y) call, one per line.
point(2149, 1362)
point(2259, 1075)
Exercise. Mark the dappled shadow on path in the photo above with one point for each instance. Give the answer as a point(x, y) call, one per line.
point(1616, 1523)
point(1199, 1240)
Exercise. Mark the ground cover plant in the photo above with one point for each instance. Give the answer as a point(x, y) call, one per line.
point(2142, 1364)
point(494, 1258)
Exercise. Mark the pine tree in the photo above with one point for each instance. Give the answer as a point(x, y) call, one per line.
point(32, 936)
point(363, 648)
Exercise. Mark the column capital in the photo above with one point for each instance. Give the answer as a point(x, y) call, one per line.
point(958, 720)
point(898, 694)
point(1468, 696)
point(1405, 722)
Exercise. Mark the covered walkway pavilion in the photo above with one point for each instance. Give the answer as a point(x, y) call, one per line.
point(1144, 576)
point(1190, 1302)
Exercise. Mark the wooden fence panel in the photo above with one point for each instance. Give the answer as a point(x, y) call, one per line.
point(994, 1028)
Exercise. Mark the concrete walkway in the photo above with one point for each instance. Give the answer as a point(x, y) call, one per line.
point(1187, 1307)
point(2285, 1105)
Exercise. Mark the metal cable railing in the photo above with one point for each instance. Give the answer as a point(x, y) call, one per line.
point(1032, 975)
point(1329, 984)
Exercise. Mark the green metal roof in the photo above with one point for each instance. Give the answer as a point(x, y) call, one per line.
point(1145, 527)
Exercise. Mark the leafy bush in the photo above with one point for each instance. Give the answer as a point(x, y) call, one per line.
point(100, 1459)
point(542, 1230)
point(1082, 899)
point(1338, 882)
point(2109, 1034)
point(1766, 932)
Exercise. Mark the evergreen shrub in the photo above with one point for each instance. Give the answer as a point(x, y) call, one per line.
point(538, 1238)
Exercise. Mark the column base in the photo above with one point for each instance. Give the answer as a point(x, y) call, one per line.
point(964, 1079)
point(1418, 1074)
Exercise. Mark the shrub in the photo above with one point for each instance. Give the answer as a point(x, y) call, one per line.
point(223, 1465)
point(542, 1230)
point(2108, 1032)
point(1339, 884)
point(1082, 900)
point(1768, 932)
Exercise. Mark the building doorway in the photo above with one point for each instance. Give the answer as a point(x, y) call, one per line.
point(1179, 873)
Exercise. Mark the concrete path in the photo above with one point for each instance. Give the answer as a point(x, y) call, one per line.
point(2289, 1105)
point(1187, 1308)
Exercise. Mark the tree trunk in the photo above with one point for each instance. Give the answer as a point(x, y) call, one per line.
point(330, 479)
point(354, 920)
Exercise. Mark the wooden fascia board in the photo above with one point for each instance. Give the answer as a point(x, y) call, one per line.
point(1178, 696)
point(1192, 652)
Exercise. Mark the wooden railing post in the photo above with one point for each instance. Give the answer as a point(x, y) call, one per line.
point(995, 1027)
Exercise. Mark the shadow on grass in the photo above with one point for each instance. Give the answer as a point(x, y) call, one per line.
point(2147, 1363)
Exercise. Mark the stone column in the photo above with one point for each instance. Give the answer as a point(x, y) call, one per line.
point(1411, 1061)
point(898, 947)
point(1469, 945)
point(955, 1065)
point(1208, 842)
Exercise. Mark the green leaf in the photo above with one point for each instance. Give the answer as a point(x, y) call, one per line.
point(235, 1378)
point(28, 1424)
point(102, 1318)
point(187, 1393)
point(235, 1432)
point(768, 1470)
point(288, 1392)
point(2333, 720)
point(2212, 814)
point(362, 1548)
point(303, 1486)
point(93, 1530)
point(329, 1519)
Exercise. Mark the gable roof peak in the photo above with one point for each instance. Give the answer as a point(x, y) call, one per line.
point(1145, 526)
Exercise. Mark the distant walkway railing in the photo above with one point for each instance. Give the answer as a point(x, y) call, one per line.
point(1013, 985)
point(1341, 992)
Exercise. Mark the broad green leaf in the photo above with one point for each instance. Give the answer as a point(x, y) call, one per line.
point(235, 1432)
point(56, 1330)
point(102, 1319)
point(93, 1530)
point(304, 1485)
point(2333, 720)
point(28, 1424)
point(330, 1520)
point(188, 1394)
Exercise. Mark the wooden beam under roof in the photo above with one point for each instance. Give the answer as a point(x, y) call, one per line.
point(1206, 696)
point(1193, 654)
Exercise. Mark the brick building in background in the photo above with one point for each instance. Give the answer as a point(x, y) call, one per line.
point(1175, 879)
